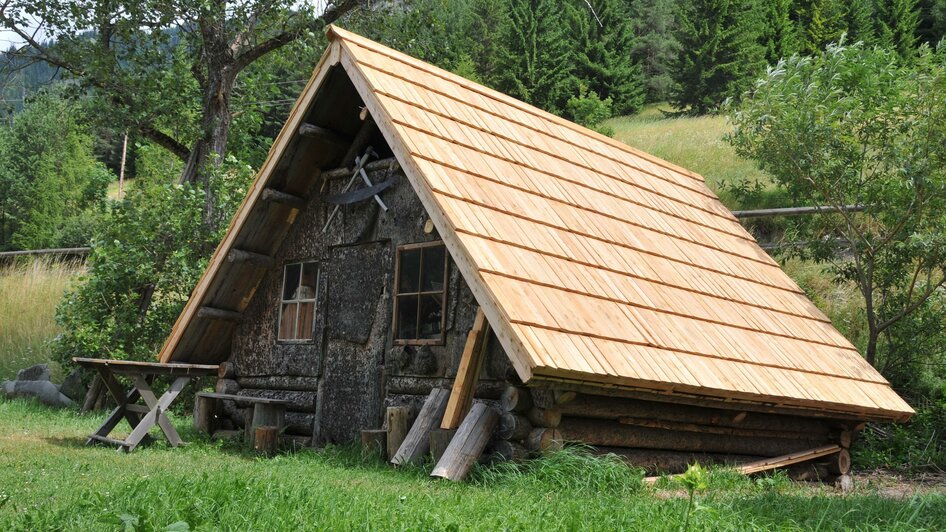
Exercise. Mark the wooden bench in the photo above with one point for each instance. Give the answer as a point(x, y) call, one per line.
point(266, 411)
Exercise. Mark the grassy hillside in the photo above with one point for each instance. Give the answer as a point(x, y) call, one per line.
point(55, 482)
point(695, 143)
point(29, 293)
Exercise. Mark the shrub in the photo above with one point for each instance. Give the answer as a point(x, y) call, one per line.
point(589, 110)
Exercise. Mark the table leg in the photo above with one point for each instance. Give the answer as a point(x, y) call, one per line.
point(115, 417)
point(158, 407)
point(121, 397)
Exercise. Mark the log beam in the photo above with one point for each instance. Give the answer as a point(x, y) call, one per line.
point(324, 134)
point(219, 314)
point(290, 200)
point(250, 257)
point(467, 444)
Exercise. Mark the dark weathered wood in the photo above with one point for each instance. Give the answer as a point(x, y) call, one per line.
point(205, 414)
point(603, 407)
point(439, 441)
point(266, 440)
point(513, 426)
point(148, 368)
point(808, 472)
point(284, 198)
point(269, 415)
point(846, 438)
point(613, 434)
point(417, 442)
point(468, 372)
point(544, 439)
point(213, 313)
point(467, 444)
point(360, 142)
point(712, 429)
point(95, 438)
point(250, 257)
point(839, 464)
point(797, 211)
point(545, 417)
point(421, 385)
point(662, 461)
point(95, 391)
point(381, 164)
point(244, 399)
point(516, 399)
point(226, 371)
point(227, 387)
point(508, 450)
point(374, 443)
point(321, 133)
point(396, 420)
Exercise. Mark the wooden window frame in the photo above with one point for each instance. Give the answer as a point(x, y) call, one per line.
point(443, 302)
point(314, 300)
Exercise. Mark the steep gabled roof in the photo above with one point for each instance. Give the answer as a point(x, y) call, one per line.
point(595, 263)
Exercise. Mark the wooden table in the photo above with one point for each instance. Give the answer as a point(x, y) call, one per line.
point(141, 417)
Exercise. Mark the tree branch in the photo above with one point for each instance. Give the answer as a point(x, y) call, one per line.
point(912, 306)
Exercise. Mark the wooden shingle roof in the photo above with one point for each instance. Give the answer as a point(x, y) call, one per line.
point(596, 263)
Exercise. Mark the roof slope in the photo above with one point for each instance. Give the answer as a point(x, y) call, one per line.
point(597, 263)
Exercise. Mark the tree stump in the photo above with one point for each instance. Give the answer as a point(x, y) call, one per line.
point(205, 414)
point(266, 440)
point(374, 443)
point(397, 428)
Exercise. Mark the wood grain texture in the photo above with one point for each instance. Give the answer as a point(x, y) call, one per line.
point(471, 362)
point(467, 444)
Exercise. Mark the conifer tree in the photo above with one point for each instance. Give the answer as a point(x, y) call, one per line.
point(603, 59)
point(655, 45)
point(823, 22)
point(897, 23)
point(860, 22)
point(720, 53)
point(779, 34)
point(536, 59)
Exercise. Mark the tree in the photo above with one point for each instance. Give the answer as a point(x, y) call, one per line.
point(860, 22)
point(779, 34)
point(604, 64)
point(854, 126)
point(655, 45)
point(897, 24)
point(49, 181)
point(822, 23)
point(536, 60)
point(720, 53)
point(151, 61)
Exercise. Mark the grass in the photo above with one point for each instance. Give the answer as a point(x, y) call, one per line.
point(52, 481)
point(695, 143)
point(112, 192)
point(29, 293)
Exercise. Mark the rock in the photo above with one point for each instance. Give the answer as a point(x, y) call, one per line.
point(72, 386)
point(44, 391)
point(8, 389)
point(39, 372)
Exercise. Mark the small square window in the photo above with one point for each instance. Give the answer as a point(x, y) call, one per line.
point(420, 294)
point(297, 308)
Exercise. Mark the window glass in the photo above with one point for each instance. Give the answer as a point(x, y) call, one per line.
point(420, 294)
point(297, 308)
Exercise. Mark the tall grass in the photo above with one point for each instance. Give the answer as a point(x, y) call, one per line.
point(29, 293)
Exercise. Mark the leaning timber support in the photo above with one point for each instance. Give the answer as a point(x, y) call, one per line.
point(471, 363)
point(467, 444)
point(362, 138)
point(439, 441)
point(417, 443)
point(785, 460)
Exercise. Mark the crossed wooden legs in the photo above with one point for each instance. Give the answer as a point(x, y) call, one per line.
point(141, 417)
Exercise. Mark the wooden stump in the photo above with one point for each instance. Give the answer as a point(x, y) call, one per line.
point(513, 427)
point(266, 440)
point(468, 443)
point(266, 414)
point(205, 414)
point(544, 439)
point(439, 441)
point(374, 443)
point(840, 463)
point(397, 428)
point(417, 443)
point(516, 399)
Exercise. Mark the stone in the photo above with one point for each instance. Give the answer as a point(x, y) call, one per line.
point(39, 372)
point(44, 391)
point(8, 389)
point(72, 386)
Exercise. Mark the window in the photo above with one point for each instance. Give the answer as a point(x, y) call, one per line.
point(297, 308)
point(420, 294)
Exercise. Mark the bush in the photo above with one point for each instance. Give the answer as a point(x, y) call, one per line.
point(916, 447)
point(589, 110)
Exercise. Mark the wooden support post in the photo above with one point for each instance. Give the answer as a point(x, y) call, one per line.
point(439, 441)
point(95, 391)
point(397, 428)
point(417, 442)
point(205, 414)
point(471, 362)
point(266, 440)
point(321, 133)
point(289, 200)
point(374, 443)
point(213, 313)
point(266, 414)
point(250, 257)
point(468, 443)
point(362, 138)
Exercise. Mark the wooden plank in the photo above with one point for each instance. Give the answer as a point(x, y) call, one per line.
point(417, 442)
point(246, 399)
point(278, 196)
point(777, 461)
point(324, 134)
point(471, 363)
point(150, 368)
point(212, 313)
point(467, 444)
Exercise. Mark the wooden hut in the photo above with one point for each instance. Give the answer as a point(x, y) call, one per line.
point(413, 231)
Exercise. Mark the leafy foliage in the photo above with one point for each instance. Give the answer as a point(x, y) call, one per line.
point(855, 126)
point(589, 110)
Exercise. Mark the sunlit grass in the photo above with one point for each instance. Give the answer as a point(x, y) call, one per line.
point(29, 293)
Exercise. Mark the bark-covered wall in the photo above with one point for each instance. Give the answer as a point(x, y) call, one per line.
point(341, 382)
